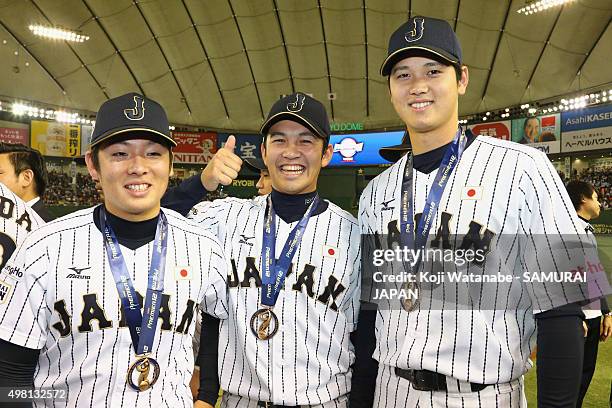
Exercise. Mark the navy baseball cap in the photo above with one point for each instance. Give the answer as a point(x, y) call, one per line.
point(256, 164)
point(423, 35)
point(128, 113)
point(394, 153)
point(301, 108)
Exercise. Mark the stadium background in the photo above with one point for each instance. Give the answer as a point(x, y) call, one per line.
point(355, 161)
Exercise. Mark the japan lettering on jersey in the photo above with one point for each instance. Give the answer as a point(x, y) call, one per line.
point(308, 360)
point(17, 219)
point(501, 197)
point(65, 303)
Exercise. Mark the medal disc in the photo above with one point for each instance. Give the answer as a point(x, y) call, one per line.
point(264, 324)
point(143, 374)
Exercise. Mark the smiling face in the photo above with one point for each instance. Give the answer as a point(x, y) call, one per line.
point(294, 157)
point(133, 175)
point(424, 93)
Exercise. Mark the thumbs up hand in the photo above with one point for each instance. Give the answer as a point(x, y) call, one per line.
point(223, 168)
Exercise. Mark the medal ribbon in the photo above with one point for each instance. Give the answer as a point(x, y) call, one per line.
point(274, 273)
point(142, 325)
point(408, 237)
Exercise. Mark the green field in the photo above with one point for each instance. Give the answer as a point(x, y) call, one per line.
point(598, 395)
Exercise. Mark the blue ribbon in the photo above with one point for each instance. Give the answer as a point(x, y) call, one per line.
point(142, 326)
point(274, 273)
point(449, 162)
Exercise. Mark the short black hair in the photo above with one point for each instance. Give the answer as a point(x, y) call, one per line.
point(578, 191)
point(23, 158)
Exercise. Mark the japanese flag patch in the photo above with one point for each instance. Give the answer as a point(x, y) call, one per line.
point(471, 193)
point(330, 252)
point(182, 273)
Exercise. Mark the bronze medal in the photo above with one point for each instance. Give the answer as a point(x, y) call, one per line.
point(264, 324)
point(148, 373)
point(409, 304)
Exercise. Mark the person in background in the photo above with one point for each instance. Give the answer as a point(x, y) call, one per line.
point(23, 171)
point(264, 183)
point(585, 201)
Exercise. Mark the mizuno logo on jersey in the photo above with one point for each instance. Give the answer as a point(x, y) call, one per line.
point(5, 291)
point(385, 205)
point(245, 240)
point(78, 273)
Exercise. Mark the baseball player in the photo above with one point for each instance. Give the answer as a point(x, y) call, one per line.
point(293, 278)
point(22, 169)
point(101, 308)
point(17, 220)
point(467, 345)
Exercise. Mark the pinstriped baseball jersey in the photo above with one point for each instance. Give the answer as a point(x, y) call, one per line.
point(499, 190)
point(66, 304)
point(307, 361)
point(17, 219)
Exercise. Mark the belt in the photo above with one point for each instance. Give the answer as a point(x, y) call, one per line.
point(266, 404)
point(424, 380)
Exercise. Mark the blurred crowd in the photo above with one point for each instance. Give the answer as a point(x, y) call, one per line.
point(62, 191)
point(601, 179)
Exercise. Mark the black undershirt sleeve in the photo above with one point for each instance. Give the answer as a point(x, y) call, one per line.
point(207, 359)
point(365, 368)
point(17, 366)
point(184, 196)
point(560, 345)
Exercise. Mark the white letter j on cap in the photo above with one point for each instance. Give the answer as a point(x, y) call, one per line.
point(297, 105)
point(136, 113)
point(417, 32)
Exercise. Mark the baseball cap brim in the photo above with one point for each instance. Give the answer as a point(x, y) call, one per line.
point(394, 153)
point(405, 52)
point(256, 164)
point(126, 131)
point(295, 118)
